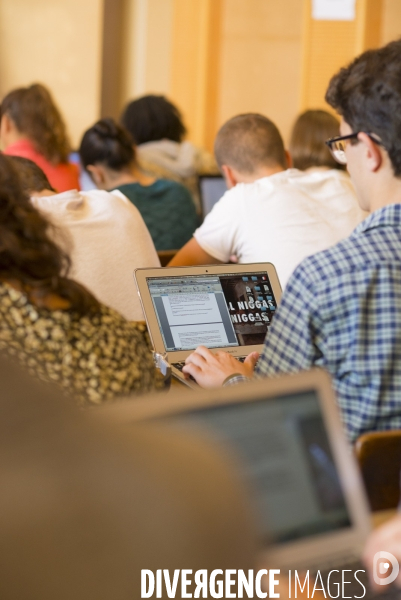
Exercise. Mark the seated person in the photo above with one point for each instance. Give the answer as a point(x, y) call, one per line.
point(308, 147)
point(341, 310)
point(110, 239)
point(53, 325)
point(167, 208)
point(269, 214)
point(87, 505)
point(31, 126)
point(157, 128)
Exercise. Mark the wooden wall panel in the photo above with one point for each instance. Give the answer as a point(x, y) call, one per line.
point(329, 45)
point(195, 65)
point(58, 43)
point(261, 59)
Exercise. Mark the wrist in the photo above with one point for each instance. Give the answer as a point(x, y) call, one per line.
point(227, 379)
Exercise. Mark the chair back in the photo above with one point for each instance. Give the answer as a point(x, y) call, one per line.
point(379, 457)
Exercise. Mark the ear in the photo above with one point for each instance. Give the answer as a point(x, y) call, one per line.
point(373, 152)
point(7, 124)
point(97, 174)
point(288, 159)
point(229, 175)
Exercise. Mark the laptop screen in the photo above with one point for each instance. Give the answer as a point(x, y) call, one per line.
point(286, 459)
point(212, 188)
point(216, 311)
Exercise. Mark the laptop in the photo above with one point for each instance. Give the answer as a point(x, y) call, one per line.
point(222, 307)
point(287, 441)
point(211, 189)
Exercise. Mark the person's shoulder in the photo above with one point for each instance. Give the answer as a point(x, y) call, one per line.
point(347, 259)
point(319, 178)
point(107, 320)
point(170, 185)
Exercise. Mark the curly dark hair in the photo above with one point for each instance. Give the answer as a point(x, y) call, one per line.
point(367, 94)
point(107, 143)
point(152, 118)
point(35, 114)
point(27, 254)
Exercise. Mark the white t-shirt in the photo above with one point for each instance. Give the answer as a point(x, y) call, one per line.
point(281, 219)
point(109, 240)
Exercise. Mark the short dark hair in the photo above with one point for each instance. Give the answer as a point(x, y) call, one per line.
point(367, 94)
point(152, 118)
point(249, 141)
point(32, 178)
point(107, 143)
point(307, 145)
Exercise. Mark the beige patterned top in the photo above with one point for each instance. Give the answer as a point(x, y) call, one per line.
point(96, 357)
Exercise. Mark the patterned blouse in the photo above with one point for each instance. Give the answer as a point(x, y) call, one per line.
point(96, 357)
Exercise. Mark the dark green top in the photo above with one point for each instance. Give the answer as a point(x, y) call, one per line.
point(167, 209)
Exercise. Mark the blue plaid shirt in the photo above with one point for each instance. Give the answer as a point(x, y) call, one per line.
point(341, 311)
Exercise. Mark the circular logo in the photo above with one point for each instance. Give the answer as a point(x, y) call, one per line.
point(385, 568)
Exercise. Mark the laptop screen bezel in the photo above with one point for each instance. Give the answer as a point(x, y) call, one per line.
point(313, 550)
point(141, 276)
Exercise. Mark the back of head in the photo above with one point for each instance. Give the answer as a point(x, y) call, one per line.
point(32, 178)
point(86, 505)
point(107, 143)
point(248, 142)
point(309, 134)
point(367, 94)
point(153, 118)
point(35, 115)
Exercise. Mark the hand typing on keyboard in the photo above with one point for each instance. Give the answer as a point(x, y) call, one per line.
point(210, 370)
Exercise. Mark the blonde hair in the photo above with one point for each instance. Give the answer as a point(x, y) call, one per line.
point(35, 114)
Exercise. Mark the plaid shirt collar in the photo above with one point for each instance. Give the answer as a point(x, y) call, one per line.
point(388, 216)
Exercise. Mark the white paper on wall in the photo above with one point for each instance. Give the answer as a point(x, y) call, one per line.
point(333, 10)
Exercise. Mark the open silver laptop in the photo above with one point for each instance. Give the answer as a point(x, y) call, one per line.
point(310, 506)
point(222, 307)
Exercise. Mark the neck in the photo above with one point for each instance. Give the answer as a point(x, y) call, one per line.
point(382, 190)
point(133, 175)
point(42, 194)
point(392, 195)
point(12, 137)
point(259, 173)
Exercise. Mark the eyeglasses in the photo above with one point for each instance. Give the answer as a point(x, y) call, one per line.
point(337, 145)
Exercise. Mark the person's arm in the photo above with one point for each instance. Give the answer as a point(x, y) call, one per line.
point(290, 344)
point(212, 370)
point(214, 241)
point(192, 254)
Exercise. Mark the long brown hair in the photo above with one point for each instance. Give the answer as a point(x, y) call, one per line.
point(35, 114)
point(307, 145)
point(27, 254)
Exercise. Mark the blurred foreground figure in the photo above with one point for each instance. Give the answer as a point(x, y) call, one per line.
point(85, 506)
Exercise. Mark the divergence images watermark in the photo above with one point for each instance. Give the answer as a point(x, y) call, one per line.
point(232, 583)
